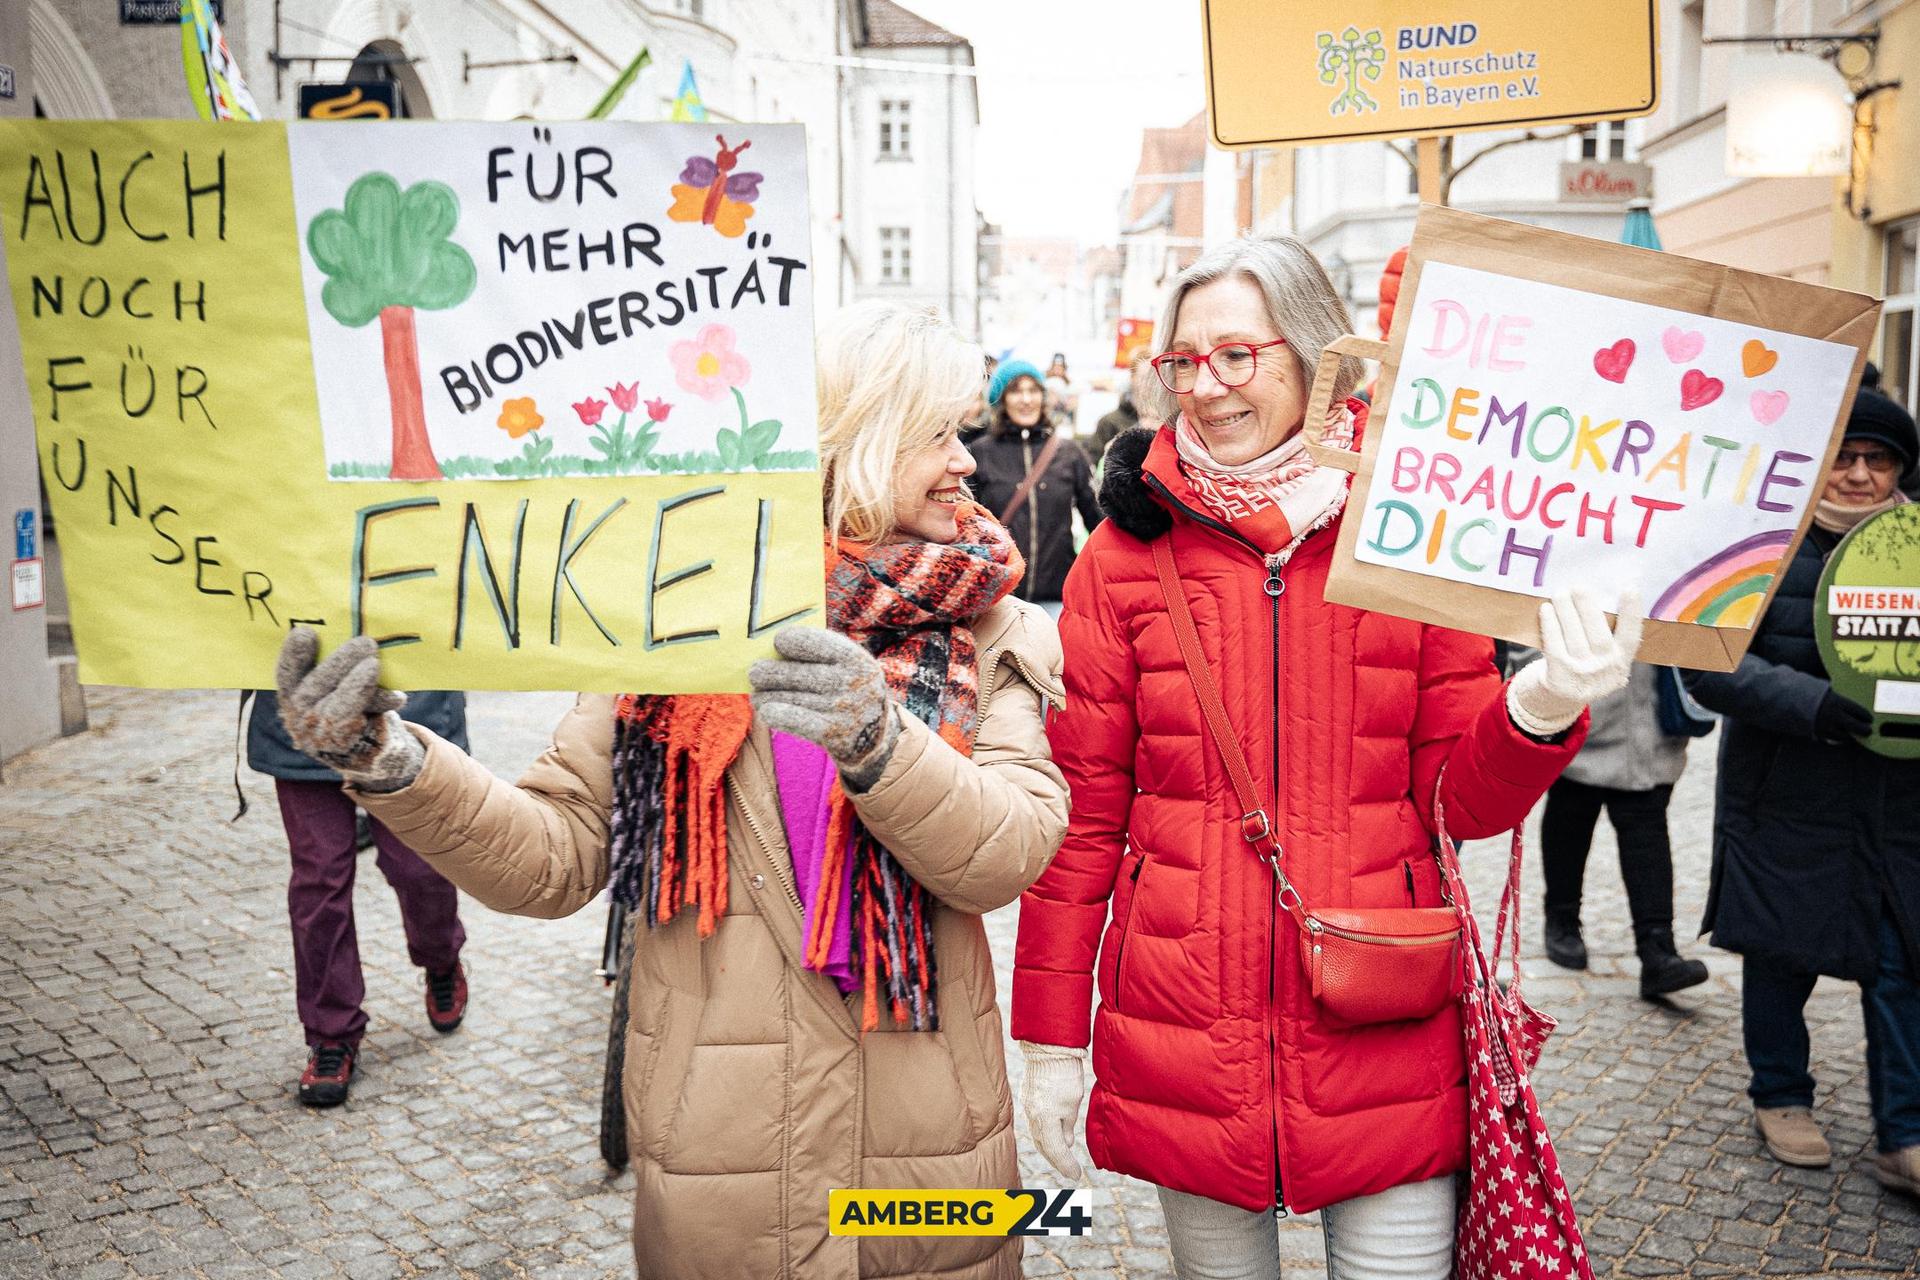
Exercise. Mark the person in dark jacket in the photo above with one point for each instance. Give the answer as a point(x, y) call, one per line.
point(1016, 442)
point(319, 821)
point(1816, 845)
point(1125, 415)
point(1627, 768)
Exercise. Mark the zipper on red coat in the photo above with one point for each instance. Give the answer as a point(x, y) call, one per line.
point(1275, 586)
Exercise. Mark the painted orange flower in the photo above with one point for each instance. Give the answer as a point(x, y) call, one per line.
point(519, 416)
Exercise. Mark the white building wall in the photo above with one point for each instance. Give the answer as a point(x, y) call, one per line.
point(929, 191)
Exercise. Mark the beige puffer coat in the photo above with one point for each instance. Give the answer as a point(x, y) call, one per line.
point(749, 1089)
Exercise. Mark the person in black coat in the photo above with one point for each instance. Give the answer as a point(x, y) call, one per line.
point(1015, 442)
point(1816, 844)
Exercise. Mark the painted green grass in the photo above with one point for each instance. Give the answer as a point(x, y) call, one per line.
point(530, 465)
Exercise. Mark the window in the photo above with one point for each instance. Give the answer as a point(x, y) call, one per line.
point(896, 255)
point(896, 127)
point(1899, 336)
point(1604, 141)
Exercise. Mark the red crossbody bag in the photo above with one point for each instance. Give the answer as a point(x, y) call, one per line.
point(1363, 964)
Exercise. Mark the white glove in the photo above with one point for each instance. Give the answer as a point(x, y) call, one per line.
point(1050, 1096)
point(1581, 659)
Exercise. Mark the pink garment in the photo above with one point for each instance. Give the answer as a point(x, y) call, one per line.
point(805, 775)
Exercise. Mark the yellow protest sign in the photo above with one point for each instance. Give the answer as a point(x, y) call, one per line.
point(1286, 74)
point(531, 405)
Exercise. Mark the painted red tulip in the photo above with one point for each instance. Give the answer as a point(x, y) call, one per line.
point(658, 410)
point(590, 411)
point(625, 395)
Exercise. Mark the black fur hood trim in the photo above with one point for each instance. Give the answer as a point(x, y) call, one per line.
point(1124, 495)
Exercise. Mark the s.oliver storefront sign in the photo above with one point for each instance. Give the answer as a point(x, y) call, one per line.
point(1604, 180)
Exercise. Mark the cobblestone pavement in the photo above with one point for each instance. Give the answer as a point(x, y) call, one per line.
point(148, 1049)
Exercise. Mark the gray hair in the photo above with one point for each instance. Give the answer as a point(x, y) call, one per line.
point(1301, 302)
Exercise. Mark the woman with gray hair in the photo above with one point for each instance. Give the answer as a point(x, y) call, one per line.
point(1220, 1073)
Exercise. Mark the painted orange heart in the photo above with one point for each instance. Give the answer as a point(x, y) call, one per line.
point(1757, 358)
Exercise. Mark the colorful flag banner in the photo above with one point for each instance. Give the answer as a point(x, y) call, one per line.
point(213, 76)
point(687, 104)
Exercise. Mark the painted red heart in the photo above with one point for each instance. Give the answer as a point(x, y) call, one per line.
point(1697, 389)
point(1612, 362)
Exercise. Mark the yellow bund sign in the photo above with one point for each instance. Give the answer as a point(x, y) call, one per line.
point(1286, 74)
point(532, 405)
point(1020, 1211)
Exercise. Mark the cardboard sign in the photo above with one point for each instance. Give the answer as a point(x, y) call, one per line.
point(1560, 411)
point(533, 405)
point(1867, 624)
point(1288, 74)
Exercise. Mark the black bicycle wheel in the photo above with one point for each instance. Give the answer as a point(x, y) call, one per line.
point(613, 1109)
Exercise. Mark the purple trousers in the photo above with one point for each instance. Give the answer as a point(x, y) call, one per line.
point(326, 950)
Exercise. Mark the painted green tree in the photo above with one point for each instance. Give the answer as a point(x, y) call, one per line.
point(385, 253)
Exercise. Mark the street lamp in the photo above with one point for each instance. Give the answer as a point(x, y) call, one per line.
point(1788, 115)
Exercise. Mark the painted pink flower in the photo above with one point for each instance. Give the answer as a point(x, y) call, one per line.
point(590, 410)
point(708, 365)
point(657, 410)
point(625, 395)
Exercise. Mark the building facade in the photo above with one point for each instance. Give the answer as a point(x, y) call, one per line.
point(1857, 231)
point(912, 109)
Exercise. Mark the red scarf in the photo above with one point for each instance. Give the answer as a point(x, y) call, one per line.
point(910, 604)
point(1280, 497)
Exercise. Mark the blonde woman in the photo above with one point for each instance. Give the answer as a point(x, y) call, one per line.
point(813, 1006)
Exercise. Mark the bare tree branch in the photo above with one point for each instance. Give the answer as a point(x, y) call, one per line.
point(1529, 136)
point(1406, 157)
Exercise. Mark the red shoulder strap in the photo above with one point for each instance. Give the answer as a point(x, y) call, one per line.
point(1256, 828)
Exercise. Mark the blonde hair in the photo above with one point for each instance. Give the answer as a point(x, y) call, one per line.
point(892, 380)
point(1301, 302)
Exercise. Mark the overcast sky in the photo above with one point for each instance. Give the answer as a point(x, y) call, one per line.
point(1066, 86)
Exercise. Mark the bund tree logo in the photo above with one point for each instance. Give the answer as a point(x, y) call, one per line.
point(1354, 57)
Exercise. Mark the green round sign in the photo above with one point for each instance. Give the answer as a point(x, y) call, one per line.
point(1866, 620)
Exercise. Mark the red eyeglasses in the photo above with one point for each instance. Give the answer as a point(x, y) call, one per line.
point(1231, 363)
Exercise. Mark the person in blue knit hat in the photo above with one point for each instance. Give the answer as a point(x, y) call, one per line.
point(1032, 477)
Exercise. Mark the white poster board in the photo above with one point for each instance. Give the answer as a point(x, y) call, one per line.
point(577, 300)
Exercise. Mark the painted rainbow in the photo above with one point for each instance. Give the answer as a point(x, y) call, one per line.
point(1727, 588)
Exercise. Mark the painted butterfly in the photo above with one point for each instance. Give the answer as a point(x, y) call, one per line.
point(710, 192)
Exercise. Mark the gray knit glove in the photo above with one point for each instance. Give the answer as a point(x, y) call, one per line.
point(825, 688)
point(338, 713)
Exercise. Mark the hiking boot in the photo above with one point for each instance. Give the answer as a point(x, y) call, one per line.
point(1899, 1170)
point(329, 1072)
point(1662, 968)
point(446, 998)
point(1792, 1137)
point(1564, 945)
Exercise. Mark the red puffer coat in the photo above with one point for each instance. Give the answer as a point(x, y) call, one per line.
point(1215, 1072)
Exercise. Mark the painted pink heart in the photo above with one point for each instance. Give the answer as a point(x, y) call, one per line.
point(1767, 406)
point(1612, 362)
point(1682, 344)
point(1697, 389)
